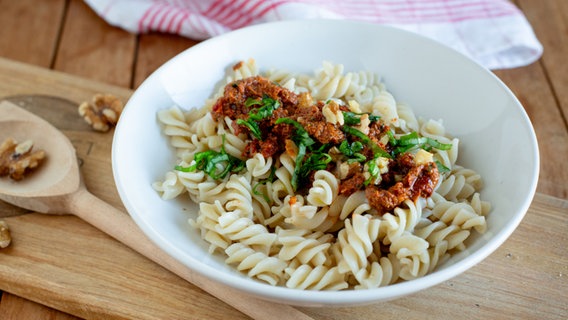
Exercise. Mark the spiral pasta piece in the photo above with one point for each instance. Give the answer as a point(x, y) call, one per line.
point(243, 230)
point(412, 252)
point(170, 187)
point(455, 188)
point(302, 245)
point(356, 242)
point(459, 214)
point(316, 278)
point(256, 264)
point(356, 203)
point(401, 220)
point(385, 105)
point(324, 189)
point(207, 221)
point(258, 166)
point(438, 232)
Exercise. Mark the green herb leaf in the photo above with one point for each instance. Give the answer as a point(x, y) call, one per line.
point(252, 101)
point(413, 140)
point(353, 118)
point(305, 164)
point(298, 166)
point(301, 136)
point(352, 151)
point(373, 169)
point(217, 164)
point(253, 127)
point(441, 168)
point(268, 105)
point(350, 118)
point(315, 161)
point(374, 118)
point(377, 151)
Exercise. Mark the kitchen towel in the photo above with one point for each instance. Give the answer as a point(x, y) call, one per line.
point(495, 33)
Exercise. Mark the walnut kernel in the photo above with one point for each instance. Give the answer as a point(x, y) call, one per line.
point(17, 159)
point(5, 237)
point(102, 112)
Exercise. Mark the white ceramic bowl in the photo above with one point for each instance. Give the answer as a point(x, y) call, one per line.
point(496, 136)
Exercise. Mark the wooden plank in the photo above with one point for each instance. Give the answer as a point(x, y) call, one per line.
point(51, 262)
point(17, 79)
point(30, 29)
point(531, 87)
point(14, 307)
point(154, 49)
point(92, 48)
point(51, 258)
point(550, 22)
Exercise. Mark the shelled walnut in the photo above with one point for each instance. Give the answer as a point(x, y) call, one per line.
point(102, 112)
point(5, 237)
point(17, 159)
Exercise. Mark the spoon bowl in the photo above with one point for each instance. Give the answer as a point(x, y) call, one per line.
point(58, 175)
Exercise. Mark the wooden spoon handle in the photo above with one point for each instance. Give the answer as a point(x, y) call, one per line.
point(120, 226)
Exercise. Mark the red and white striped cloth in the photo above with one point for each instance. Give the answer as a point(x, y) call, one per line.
point(493, 32)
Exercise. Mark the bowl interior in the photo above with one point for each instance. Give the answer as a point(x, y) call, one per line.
point(496, 137)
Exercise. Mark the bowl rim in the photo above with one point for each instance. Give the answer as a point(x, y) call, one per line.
point(321, 298)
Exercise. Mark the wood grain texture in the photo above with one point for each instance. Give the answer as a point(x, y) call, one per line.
point(550, 23)
point(155, 49)
point(531, 88)
point(541, 87)
point(14, 307)
point(55, 256)
point(51, 261)
point(30, 30)
point(92, 48)
point(525, 279)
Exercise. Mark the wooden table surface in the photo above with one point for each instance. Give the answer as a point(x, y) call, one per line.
point(66, 36)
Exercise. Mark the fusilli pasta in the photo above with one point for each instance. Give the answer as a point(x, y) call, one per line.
point(321, 229)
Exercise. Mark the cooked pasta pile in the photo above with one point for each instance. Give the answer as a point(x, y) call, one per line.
point(315, 230)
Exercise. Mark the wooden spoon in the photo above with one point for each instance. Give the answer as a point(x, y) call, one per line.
point(57, 188)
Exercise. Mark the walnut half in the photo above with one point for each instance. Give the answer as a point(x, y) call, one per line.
point(5, 237)
point(102, 112)
point(17, 159)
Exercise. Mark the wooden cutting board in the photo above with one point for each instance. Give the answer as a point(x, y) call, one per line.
point(64, 263)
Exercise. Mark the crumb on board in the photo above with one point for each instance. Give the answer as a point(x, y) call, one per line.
point(18, 159)
point(102, 112)
point(5, 237)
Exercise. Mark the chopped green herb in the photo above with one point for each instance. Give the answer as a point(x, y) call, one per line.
point(352, 151)
point(374, 118)
point(301, 136)
point(268, 105)
point(308, 158)
point(413, 140)
point(352, 118)
point(297, 168)
point(253, 127)
point(374, 171)
point(252, 101)
point(377, 151)
point(217, 164)
point(441, 168)
point(306, 163)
